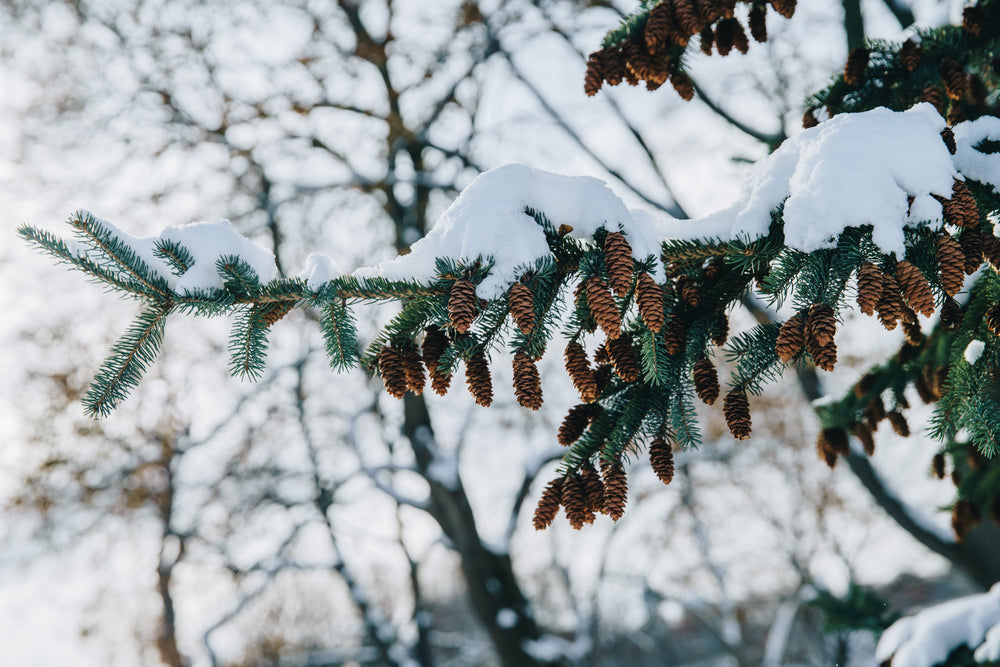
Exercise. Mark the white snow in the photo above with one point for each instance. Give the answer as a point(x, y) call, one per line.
point(989, 650)
point(927, 637)
point(319, 269)
point(974, 350)
point(207, 242)
point(506, 618)
point(983, 167)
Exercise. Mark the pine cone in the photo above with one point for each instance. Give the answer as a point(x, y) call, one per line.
point(972, 20)
point(615, 488)
point(527, 383)
point(864, 385)
point(687, 18)
point(688, 291)
point(623, 358)
point(951, 264)
point(675, 337)
point(874, 412)
point(414, 368)
point(594, 487)
point(736, 409)
point(603, 308)
point(915, 288)
point(933, 95)
point(613, 65)
point(898, 422)
point(575, 423)
point(649, 297)
point(574, 499)
point(682, 85)
point(658, 27)
point(791, 338)
point(825, 452)
point(440, 383)
point(854, 69)
point(725, 35)
point(991, 251)
point(434, 345)
point(937, 465)
point(971, 242)
point(890, 305)
point(863, 433)
point(578, 368)
point(910, 55)
point(594, 78)
point(948, 137)
point(707, 40)
point(835, 440)
point(966, 204)
point(956, 82)
point(821, 323)
point(462, 305)
point(824, 356)
point(709, 10)
point(740, 41)
point(477, 378)
point(951, 315)
point(913, 334)
point(758, 22)
point(964, 517)
point(661, 459)
point(992, 319)
point(869, 287)
point(720, 329)
point(273, 313)
point(618, 257)
point(809, 119)
point(548, 505)
point(706, 381)
point(393, 371)
point(784, 7)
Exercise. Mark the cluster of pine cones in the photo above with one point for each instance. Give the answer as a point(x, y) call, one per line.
point(652, 53)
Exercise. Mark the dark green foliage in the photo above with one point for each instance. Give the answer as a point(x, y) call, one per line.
point(340, 335)
point(860, 609)
point(248, 344)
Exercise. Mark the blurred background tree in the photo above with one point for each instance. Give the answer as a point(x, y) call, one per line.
point(308, 519)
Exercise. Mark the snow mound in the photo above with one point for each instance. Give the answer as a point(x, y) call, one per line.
point(207, 242)
point(982, 167)
point(974, 350)
point(926, 638)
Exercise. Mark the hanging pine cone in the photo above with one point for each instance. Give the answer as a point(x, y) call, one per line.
point(864, 435)
point(603, 308)
point(594, 486)
point(725, 35)
point(618, 257)
point(623, 358)
point(687, 18)
point(932, 94)
point(915, 288)
point(869, 287)
point(784, 7)
point(393, 371)
point(740, 41)
point(898, 422)
point(809, 119)
point(825, 452)
point(874, 412)
point(683, 85)
point(688, 291)
point(948, 137)
point(968, 210)
point(601, 356)
point(707, 40)
point(824, 356)
point(992, 319)
point(821, 323)
point(854, 69)
point(951, 264)
point(527, 383)
point(575, 423)
point(602, 376)
point(649, 297)
point(661, 459)
point(956, 82)
point(736, 409)
point(274, 312)
point(574, 500)
point(991, 251)
point(913, 334)
point(615, 488)
point(414, 368)
point(462, 305)
point(937, 465)
point(951, 315)
point(835, 440)
point(579, 371)
point(522, 307)
point(477, 378)
point(434, 345)
point(720, 329)
point(971, 242)
point(910, 55)
point(890, 305)
point(865, 384)
point(972, 20)
point(675, 337)
point(758, 22)
point(964, 517)
point(706, 381)
point(548, 505)
point(658, 27)
point(791, 338)
point(709, 10)
point(440, 383)
point(594, 78)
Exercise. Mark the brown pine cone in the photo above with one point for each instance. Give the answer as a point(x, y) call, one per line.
point(915, 288)
point(966, 204)
point(658, 27)
point(933, 95)
point(720, 329)
point(869, 287)
point(661, 459)
point(615, 488)
point(809, 119)
point(951, 315)
point(575, 423)
point(618, 257)
point(910, 55)
point(948, 137)
point(393, 371)
point(623, 358)
point(675, 337)
point(548, 505)
point(613, 65)
point(462, 305)
point(477, 379)
point(972, 20)
point(874, 412)
point(992, 319)
point(434, 345)
point(825, 452)
point(575, 501)
point(956, 82)
point(683, 85)
point(602, 376)
point(836, 440)
point(791, 338)
point(951, 264)
point(649, 297)
point(736, 409)
point(758, 22)
point(964, 517)
point(863, 433)
point(603, 308)
point(784, 7)
point(579, 371)
point(971, 242)
point(274, 312)
point(865, 384)
point(522, 307)
point(824, 356)
point(740, 41)
point(937, 465)
point(706, 381)
point(707, 40)
point(854, 69)
point(821, 323)
point(709, 10)
point(440, 383)
point(687, 18)
point(414, 368)
point(913, 334)
point(594, 78)
point(688, 291)
point(527, 383)
point(890, 305)
point(991, 251)
point(898, 422)
point(725, 35)
point(594, 487)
